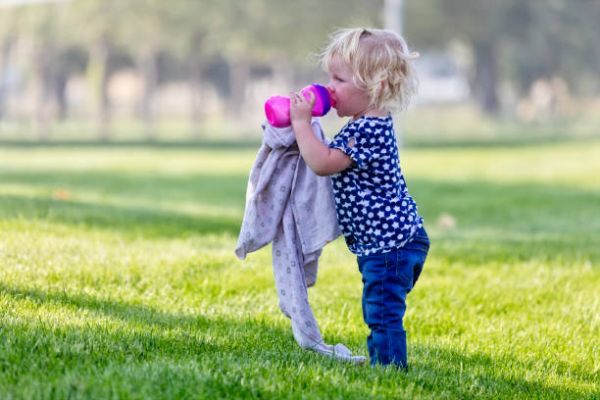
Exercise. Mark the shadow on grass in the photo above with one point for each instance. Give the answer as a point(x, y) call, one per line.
point(509, 222)
point(494, 221)
point(201, 191)
point(488, 376)
point(210, 188)
point(231, 357)
point(137, 221)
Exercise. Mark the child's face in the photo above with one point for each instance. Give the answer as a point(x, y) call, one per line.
point(349, 99)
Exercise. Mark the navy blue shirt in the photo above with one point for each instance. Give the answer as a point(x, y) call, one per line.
point(375, 212)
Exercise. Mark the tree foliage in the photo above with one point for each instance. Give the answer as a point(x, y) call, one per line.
point(510, 40)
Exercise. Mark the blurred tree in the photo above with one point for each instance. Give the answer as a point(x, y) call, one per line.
point(287, 33)
point(70, 60)
point(419, 21)
point(282, 34)
point(96, 23)
point(197, 39)
point(39, 30)
point(484, 25)
point(152, 33)
point(559, 39)
point(512, 40)
point(8, 37)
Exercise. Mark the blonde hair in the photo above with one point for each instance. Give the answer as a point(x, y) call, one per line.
point(376, 56)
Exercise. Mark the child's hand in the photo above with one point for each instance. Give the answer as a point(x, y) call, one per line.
point(301, 108)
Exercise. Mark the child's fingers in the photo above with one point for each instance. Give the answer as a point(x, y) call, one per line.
point(311, 98)
point(301, 101)
point(296, 98)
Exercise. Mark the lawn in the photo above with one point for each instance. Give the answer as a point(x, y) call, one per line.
point(118, 279)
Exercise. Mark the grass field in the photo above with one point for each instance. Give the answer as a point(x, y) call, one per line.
point(118, 280)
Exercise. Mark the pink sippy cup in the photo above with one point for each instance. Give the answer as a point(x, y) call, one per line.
point(277, 108)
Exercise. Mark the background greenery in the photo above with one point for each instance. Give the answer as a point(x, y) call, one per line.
point(66, 61)
point(118, 279)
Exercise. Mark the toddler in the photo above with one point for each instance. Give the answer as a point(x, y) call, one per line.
point(370, 75)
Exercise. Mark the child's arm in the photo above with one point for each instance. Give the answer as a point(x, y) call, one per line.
point(317, 155)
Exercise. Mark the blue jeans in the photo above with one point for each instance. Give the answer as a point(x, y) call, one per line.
point(387, 280)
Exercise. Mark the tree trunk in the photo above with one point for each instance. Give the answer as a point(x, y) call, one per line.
point(239, 75)
point(195, 78)
point(43, 72)
point(5, 50)
point(97, 73)
point(195, 68)
point(60, 94)
point(486, 78)
point(148, 65)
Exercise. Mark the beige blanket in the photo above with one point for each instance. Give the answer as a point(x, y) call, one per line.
point(289, 205)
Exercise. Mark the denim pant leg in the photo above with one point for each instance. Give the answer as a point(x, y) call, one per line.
point(387, 280)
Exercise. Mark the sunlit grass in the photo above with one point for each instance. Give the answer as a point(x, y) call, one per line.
point(569, 165)
point(118, 280)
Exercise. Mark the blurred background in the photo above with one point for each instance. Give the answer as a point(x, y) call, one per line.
point(151, 70)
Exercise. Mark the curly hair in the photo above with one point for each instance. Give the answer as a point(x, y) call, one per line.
point(380, 62)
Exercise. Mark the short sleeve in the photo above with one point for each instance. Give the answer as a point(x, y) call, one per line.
point(356, 145)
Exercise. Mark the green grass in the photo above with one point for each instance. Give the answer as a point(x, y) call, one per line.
point(118, 280)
